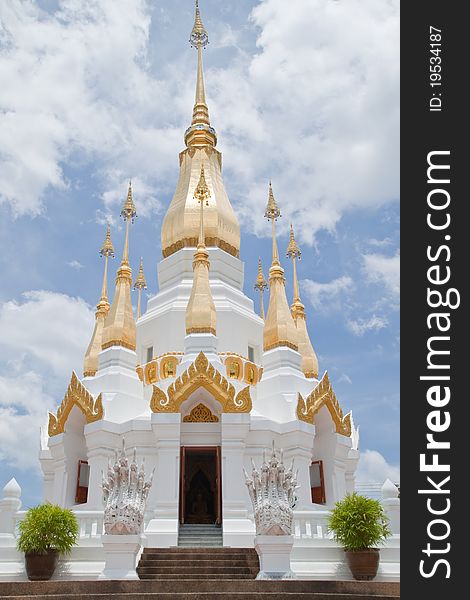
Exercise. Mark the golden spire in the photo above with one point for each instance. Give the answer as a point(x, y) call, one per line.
point(200, 312)
point(140, 284)
point(128, 213)
point(119, 327)
point(106, 250)
point(306, 351)
point(279, 328)
point(261, 285)
point(180, 227)
point(200, 132)
point(273, 212)
point(90, 364)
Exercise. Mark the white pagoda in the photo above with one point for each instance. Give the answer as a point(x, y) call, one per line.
point(199, 383)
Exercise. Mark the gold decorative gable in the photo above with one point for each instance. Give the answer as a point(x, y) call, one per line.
point(201, 374)
point(76, 394)
point(323, 395)
point(201, 414)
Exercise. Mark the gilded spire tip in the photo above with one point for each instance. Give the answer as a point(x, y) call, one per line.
point(261, 283)
point(293, 249)
point(198, 35)
point(107, 248)
point(140, 282)
point(128, 211)
point(272, 209)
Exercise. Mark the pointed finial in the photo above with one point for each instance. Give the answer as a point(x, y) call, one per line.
point(293, 249)
point(198, 35)
point(272, 209)
point(202, 193)
point(261, 283)
point(140, 283)
point(107, 248)
point(128, 211)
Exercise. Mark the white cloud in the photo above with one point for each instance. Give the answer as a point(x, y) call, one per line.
point(75, 264)
point(380, 243)
point(89, 96)
point(327, 296)
point(46, 328)
point(374, 468)
point(43, 338)
point(361, 326)
point(385, 270)
point(315, 108)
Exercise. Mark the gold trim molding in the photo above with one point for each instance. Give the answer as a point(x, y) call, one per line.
point(201, 414)
point(162, 367)
point(201, 374)
point(323, 395)
point(238, 367)
point(76, 394)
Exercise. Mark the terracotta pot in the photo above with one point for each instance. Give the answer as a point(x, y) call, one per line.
point(363, 563)
point(41, 567)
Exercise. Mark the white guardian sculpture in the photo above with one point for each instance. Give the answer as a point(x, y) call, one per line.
point(272, 494)
point(125, 494)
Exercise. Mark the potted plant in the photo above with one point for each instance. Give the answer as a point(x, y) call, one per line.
point(359, 524)
point(46, 532)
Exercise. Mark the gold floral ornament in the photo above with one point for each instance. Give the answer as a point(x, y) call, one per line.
point(201, 414)
point(201, 374)
point(76, 394)
point(323, 395)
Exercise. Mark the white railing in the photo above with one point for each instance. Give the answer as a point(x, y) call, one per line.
point(311, 524)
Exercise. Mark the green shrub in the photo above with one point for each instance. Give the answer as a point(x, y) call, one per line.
point(47, 527)
point(358, 522)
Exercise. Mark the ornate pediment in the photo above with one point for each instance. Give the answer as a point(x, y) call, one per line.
point(78, 395)
point(323, 395)
point(201, 374)
point(201, 414)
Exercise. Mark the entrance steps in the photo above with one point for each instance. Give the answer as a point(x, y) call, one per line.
point(198, 563)
point(188, 589)
point(202, 536)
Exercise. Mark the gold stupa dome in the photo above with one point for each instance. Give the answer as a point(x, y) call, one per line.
point(180, 227)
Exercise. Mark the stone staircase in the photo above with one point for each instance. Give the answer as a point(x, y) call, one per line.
point(190, 589)
point(198, 563)
point(199, 536)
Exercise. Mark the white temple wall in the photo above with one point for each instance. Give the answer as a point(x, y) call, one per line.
point(163, 325)
point(74, 450)
point(333, 449)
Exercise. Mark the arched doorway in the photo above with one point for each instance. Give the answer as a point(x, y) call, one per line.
point(200, 490)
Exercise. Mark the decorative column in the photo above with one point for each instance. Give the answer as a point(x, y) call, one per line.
point(238, 530)
point(162, 530)
point(272, 492)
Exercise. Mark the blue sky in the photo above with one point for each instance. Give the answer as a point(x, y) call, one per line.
point(303, 93)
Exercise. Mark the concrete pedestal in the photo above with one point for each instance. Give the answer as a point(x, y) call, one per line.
point(274, 556)
point(120, 556)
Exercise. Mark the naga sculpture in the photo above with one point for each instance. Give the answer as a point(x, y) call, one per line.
point(125, 494)
point(272, 492)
